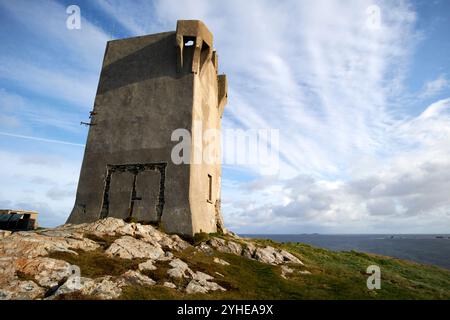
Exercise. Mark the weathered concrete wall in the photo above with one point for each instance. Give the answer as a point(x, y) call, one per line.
point(205, 117)
point(140, 100)
point(144, 94)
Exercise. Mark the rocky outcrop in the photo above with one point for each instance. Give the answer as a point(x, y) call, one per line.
point(145, 233)
point(147, 266)
point(132, 277)
point(21, 290)
point(200, 285)
point(75, 283)
point(34, 244)
point(130, 248)
point(102, 288)
point(200, 282)
point(271, 255)
point(4, 234)
point(249, 250)
point(179, 270)
point(226, 246)
point(28, 272)
point(46, 272)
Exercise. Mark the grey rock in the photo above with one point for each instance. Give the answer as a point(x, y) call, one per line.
point(206, 249)
point(179, 269)
point(74, 284)
point(103, 288)
point(170, 285)
point(4, 234)
point(249, 250)
point(202, 277)
point(21, 290)
point(274, 256)
point(285, 271)
point(46, 271)
point(132, 277)
point(146, 266)
point(177, 263)
point(130, 248)
point(168, 256)
point(109, 226)
point(31, 244)
point(220, 261)
point(268, 255)
point(225, 246)
point(195, 287)
point(290, 258)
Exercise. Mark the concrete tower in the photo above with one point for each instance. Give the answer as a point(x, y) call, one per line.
point(149, 87)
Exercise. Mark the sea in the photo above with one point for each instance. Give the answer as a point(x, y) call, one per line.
point(432, 249)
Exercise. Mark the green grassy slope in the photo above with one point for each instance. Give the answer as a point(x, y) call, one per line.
point(334, 275)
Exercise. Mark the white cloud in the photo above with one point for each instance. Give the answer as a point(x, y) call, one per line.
point(310, 69)
point(23, 115)
point(69, 85)
point(136, 18)
point(46, 20)
point(45, 182)
point(7, 134)
point(351, 161)
point(406, 193)
point(434, 87)
point(64, 65)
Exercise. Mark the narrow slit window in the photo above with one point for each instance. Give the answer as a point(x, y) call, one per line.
point(209, 188)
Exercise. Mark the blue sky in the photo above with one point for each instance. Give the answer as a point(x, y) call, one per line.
point(363, 111)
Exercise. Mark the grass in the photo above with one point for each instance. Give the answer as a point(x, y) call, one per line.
point(95, 264)
point(334, 275)
point(200, 237)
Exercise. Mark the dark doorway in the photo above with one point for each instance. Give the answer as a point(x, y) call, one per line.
point(134, 191)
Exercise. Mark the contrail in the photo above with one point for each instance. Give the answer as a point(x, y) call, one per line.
point(41, 139)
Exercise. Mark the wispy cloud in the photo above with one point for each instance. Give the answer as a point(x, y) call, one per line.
point(59, 63)
point(350, 155)
point(409, 189)
point(137, 19)
point(434, 87)
point(46, 20)
point(297, 76)
point(40, 139)
point(40, 181)
point(331, 85)
point(73, 87)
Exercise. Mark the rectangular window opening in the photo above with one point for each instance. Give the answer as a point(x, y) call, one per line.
point(209, 188)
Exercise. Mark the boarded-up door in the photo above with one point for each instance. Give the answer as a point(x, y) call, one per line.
point(134, 191)
point(147, 196)
point(120, 191)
